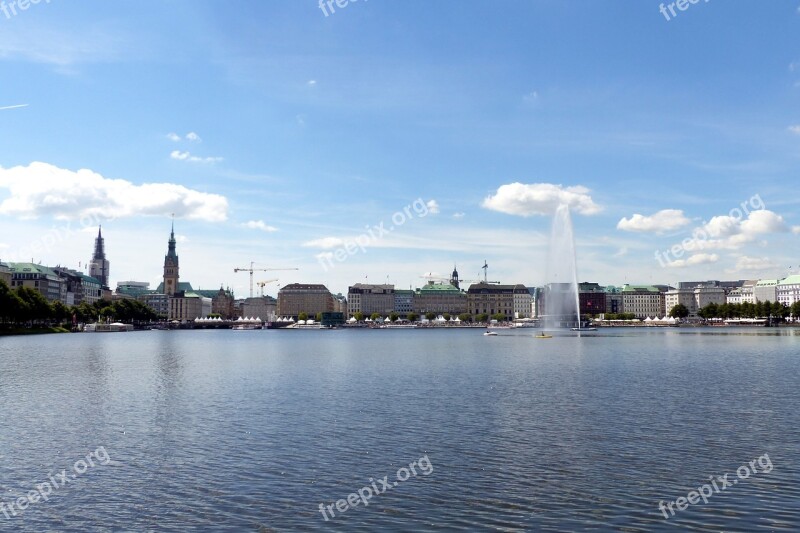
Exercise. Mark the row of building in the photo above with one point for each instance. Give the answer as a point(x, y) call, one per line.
point(178, 300)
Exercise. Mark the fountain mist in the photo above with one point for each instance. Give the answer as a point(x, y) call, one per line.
point(561, 301)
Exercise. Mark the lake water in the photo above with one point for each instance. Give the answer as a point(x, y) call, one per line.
point(253, 430)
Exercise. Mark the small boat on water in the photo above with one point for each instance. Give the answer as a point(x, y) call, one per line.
point(116, 327)
point(490, 334)
point(584, 329)
point(542, 335)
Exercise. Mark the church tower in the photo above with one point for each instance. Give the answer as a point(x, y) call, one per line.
point(99, 266)
point(171, 266)
point(454, 278)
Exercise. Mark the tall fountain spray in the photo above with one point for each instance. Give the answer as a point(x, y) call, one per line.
point(561, 301)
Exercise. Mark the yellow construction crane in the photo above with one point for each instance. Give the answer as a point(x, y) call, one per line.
point(251, 270)
point(267, 282)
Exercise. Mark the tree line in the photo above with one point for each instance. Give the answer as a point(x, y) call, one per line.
point(768, 310)
point(24, 305)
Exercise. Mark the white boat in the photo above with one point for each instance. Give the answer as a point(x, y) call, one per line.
point(116, 327)
point(490, 334)
point(245, 327)
point(584, 329)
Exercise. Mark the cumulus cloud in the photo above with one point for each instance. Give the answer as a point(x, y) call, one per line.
point(326, 243)
point(259, 225)
point(43, 189)
point(696, 259)
point(731, 233)
point(458, 216)
point(433, 207)
point(174, 137)
point(664, 220)
point(796, 230)
point(795, 129)
point(754, 263)
point(527, 199)
point(192, 136)
point(186, 156)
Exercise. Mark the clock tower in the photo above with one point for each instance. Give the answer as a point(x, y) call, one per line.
point(171, 266)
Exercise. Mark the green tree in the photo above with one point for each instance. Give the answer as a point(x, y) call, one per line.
point(375, 316)
point(465, 317)
point(359, 316)
point(319, 317)
point(446, 316)
point(60, 311)
point(37, 307)
point(482, 317)
point(430, 316)
point(302, 316)
point(412, 317)
point(500, 317)
point(679, 311)
point(394, 317)
point(795, 309)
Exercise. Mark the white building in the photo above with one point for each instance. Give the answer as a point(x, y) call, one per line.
point(766, 290)
point(694, 299)
point(734, 297)
point(788, 290)
point(522, 302)
point(748, 292)
point(188, 306)
point(643, 301)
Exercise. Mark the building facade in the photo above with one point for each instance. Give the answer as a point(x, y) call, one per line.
point(297, 298)
point(263, 307)
point(592, 298)
point(643, 301)
point(440, 298)
point(39, 278)
point(5, 273)
point(403, 301)
point(369, 299)
point(787, 291)
point(490, 299)
point(522, 303)
point(766, 290)
point(694, 299)
point(186, 306)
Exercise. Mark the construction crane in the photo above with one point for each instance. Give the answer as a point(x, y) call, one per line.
point(251, 270)
point(267, 282)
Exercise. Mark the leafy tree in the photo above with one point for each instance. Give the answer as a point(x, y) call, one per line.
point(394, 317)
point(482, 317)
point(375, 316)
point(795, 309)
point(499, 317)
point(430, 316)
point(37, 307)
point(446, 316)
point(60, 311)
point(302, 316)
point(412, 317)
point(359, 316)
point(679, 311)
point(319, 317)
point(465, 317)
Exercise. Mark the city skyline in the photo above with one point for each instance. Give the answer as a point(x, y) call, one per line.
point(268, 159)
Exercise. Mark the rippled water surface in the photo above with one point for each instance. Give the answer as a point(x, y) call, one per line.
point(253, 430)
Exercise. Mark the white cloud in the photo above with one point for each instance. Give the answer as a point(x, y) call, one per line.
point(697, 259)
point(311, 83)
point(459, 216)
point(43, 189)
point(326, 243)
point(754, 263)
point(433, 207)
point(540, 199)
point(795, 129)
point(174, 137)
point(259, 225)
point(186, 156)
point(731, 233)
point(796, 230)
point(192, 136)
point(664, 220)
point(16, 106)
point(621, 252)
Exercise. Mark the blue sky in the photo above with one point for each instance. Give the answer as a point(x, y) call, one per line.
point(279, 135)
